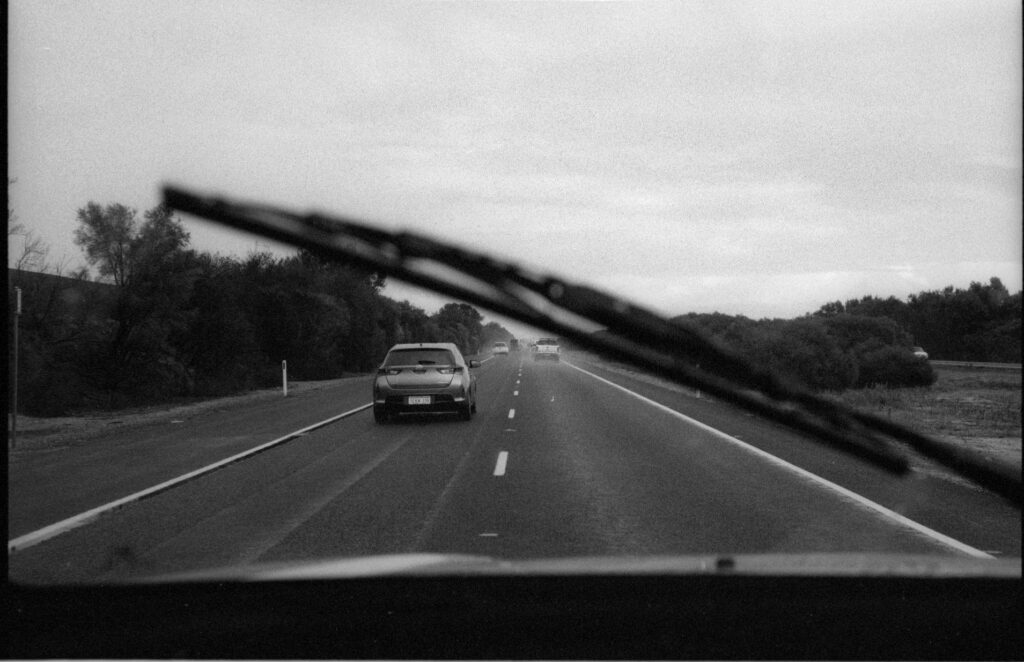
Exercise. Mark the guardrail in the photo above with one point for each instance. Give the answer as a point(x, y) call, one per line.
point(977, 364)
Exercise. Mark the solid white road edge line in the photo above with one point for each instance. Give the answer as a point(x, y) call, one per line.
point(65, 525)
point(499, 468)
point(842, 491)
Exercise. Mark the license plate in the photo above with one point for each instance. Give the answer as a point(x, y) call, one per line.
point(419, 400)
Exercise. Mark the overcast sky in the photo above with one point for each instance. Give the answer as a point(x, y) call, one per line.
point(757, 158)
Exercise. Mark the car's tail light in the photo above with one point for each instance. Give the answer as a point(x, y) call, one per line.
point(388, 371)
point(447, 371)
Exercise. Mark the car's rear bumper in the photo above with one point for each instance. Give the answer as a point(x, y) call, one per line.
point(440, 403)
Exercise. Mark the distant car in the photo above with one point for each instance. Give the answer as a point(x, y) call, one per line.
point(424, 377)
point(920, 353)
point(499, 348)
point(546, 349)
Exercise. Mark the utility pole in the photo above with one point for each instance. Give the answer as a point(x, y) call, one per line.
point(14, 370)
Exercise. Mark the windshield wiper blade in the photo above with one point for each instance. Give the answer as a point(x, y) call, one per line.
point(636, 336)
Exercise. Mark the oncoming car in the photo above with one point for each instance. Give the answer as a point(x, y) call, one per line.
point(920, 353)
point(424, 378)
point(499, 348)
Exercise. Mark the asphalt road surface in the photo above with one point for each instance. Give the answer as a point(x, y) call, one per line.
point(562, 459)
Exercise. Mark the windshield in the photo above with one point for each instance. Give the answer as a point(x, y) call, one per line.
point(831, 193)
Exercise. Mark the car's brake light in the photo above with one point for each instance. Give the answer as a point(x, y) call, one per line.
point(393, 371)
point(446, 371)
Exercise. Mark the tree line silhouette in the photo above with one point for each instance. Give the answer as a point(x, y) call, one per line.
point(165, 321)
point(869, 341)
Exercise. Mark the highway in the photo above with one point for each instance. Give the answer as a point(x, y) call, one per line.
point(562, 459)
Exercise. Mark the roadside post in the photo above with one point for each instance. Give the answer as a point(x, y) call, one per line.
point(284, 377)
point(14, 370)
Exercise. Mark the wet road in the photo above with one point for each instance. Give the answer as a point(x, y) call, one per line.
point(562, 459)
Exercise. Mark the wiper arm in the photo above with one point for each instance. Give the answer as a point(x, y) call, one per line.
point(638, 336)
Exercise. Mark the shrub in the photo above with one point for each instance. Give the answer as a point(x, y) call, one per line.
point(893, 366)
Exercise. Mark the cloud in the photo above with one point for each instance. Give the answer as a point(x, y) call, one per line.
point(645, 146)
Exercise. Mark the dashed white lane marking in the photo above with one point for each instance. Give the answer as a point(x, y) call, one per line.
point(499, 468)
point(517, 382)
point(63, 526)
point(515, 392)
point(511, 413)
point(552, 398)
point(849, 495)
point(488, 535)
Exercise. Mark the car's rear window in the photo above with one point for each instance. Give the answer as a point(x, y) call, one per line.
point(419, 356)
point(547, 341)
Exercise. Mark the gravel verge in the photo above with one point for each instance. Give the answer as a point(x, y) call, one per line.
point(38, 432)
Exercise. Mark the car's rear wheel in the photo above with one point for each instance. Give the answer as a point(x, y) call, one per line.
point(380, 415)
point(466, 412)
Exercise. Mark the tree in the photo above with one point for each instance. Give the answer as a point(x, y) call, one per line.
point(153, 272)
point(493, 332)
point(460, 323)
point(217, 345)
point(803, 350)
point(33, 252)
point(106, 236)
point(975, 324)
point(831, 308)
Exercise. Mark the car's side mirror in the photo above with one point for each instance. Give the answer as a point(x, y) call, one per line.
point(474, 363)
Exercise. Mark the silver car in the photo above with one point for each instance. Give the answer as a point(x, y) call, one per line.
point(424, 378)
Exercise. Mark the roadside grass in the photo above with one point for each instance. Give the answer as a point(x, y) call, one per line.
point(968, 402)
point(36, 433)
point(972, 406)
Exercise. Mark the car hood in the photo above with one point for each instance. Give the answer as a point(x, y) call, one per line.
point(898, 565)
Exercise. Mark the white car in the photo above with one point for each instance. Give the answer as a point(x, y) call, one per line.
point(499, 348)
point(546, 349)
point(920, 353)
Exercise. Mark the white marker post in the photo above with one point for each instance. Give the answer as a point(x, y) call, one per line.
point(284, 377)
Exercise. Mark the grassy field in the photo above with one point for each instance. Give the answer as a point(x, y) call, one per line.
point(976, 407)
